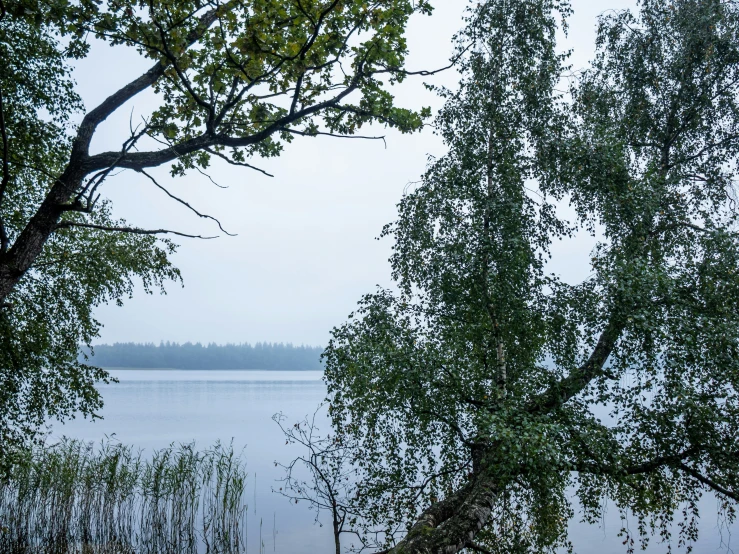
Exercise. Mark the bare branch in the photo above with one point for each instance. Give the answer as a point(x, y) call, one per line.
point(336, 135)
point(424, 72)
point(132, 230)
point(204, 174)
point(96, 180)
point(188, 206)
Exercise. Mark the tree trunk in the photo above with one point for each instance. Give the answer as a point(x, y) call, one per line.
point(26, 248)
point(450, 525)
point(337, 529)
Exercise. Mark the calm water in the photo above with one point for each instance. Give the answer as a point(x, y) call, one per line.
point(153, 408)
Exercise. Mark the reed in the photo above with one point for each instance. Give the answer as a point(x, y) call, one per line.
point(74, 497)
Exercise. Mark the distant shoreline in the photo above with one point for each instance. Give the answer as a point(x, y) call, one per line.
point(262, 356)
point(112, 368)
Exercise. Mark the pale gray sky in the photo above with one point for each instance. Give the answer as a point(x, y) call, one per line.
point(306, 249)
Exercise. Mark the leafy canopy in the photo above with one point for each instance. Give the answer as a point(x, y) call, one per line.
point(234, 80)
point(487, 386)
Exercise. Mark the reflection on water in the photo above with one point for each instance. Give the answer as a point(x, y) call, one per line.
point(153, 408)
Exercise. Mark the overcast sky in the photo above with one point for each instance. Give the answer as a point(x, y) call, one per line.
point(305, 249)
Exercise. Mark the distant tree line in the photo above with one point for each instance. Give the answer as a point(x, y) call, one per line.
point(262, 355)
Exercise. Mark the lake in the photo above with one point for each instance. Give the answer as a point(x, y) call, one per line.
point(153, 408)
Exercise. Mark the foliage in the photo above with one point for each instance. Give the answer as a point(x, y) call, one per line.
point(486, 386)
point(234, 80)
point(262, 355)
point(50, 311)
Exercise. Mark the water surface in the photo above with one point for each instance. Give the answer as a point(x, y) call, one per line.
point(153, 408)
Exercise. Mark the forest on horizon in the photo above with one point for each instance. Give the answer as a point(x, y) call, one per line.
point(261, 355)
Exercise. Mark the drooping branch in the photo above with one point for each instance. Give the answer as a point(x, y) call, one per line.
point(669, 460)
point(184, 203)
point(451, 524)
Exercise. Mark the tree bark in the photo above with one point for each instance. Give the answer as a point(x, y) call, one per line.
point(449, 525)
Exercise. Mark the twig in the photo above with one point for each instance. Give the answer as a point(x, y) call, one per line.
point(336, 135)
point(427, 73)
point(478, 548)
point(204, 174)
point(234, 162)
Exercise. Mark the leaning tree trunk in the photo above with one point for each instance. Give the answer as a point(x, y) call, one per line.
point(450, 525)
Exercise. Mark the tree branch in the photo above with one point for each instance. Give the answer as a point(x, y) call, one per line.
point(478, 548)
point(181, 201)
point(234, 162)
point(141, 160)
point(674, 460)
point(132, 230)
point(6, 171)
point(575, 382)
point(709, 482)
point(336, 135)
point(120, 97)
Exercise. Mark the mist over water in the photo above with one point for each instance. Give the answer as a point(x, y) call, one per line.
point(151, 409)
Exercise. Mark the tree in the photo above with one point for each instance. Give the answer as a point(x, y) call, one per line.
point(330, 485)
point(235, 80)
point(493, 385)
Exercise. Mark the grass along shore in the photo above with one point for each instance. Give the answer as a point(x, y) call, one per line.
point(75, 496)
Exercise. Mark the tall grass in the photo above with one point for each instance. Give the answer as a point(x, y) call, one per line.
point(73, 497)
